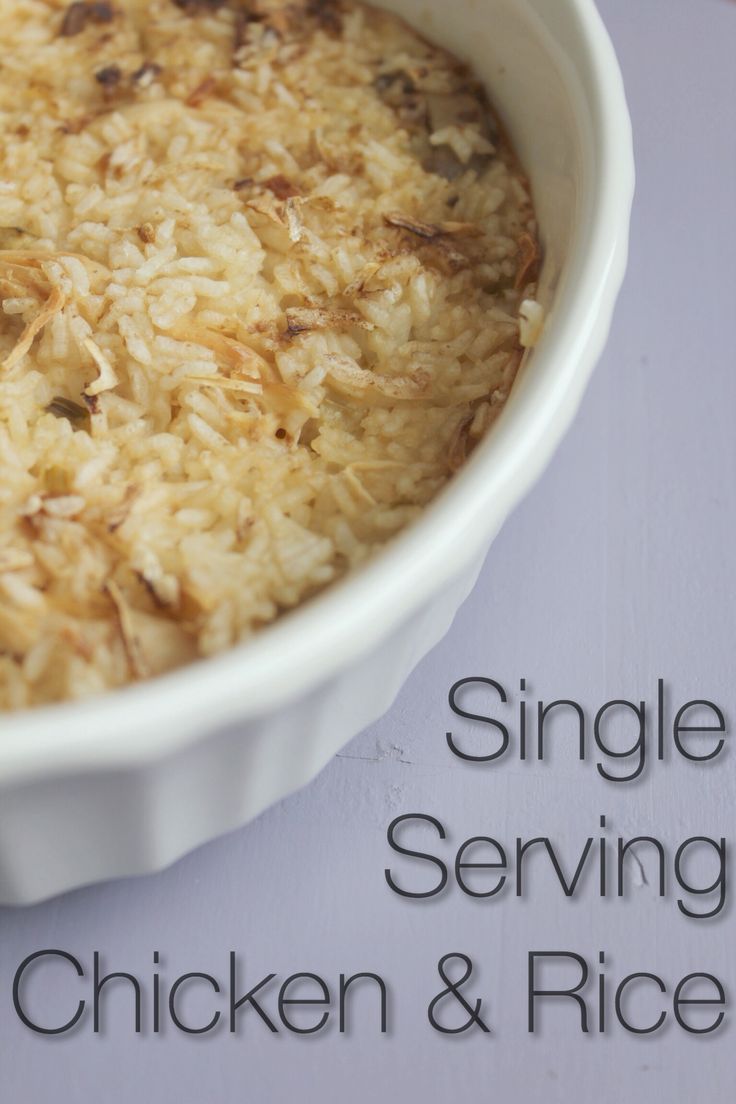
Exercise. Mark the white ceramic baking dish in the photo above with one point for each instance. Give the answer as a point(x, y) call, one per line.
point(128, 782)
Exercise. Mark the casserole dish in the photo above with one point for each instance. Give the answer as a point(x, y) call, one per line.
point(127, 782)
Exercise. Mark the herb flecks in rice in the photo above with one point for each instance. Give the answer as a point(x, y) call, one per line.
point(266, 271)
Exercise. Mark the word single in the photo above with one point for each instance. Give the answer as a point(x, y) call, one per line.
point(696, 870)
point(622, 735)
point(302, 1004)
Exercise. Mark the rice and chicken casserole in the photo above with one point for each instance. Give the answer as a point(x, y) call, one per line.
point(267, 271)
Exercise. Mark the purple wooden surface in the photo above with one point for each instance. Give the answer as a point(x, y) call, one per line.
point(617, 569)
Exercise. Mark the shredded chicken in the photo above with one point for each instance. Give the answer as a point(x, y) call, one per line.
point(131, 642)
point(303, 319)
point(55, 303)
point(107, 379)
point(347, 377)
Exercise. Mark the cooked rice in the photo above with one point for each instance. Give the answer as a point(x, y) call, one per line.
point(261, 271)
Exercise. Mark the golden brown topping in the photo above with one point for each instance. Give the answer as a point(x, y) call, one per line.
point(394, 86)
point(281, 187)
point(120, 514)
point(458, 451)
point(204, 89)
point(303, 319)
point(426, 230)
point(64, 507)
point(265, 22)
point(109, 76)
point(430, 231)
point(147, 74)
point(80, 14)
point(200, 7)
point(14, 559)
point(55, 303)
point(529, 256)
point(128, 635)
point(147, 233)
point(240, 30)
point(67, 408)
point(76, 126)
point(293, 219)
point(234, 365)
point(347, 377)
point(327, 14)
